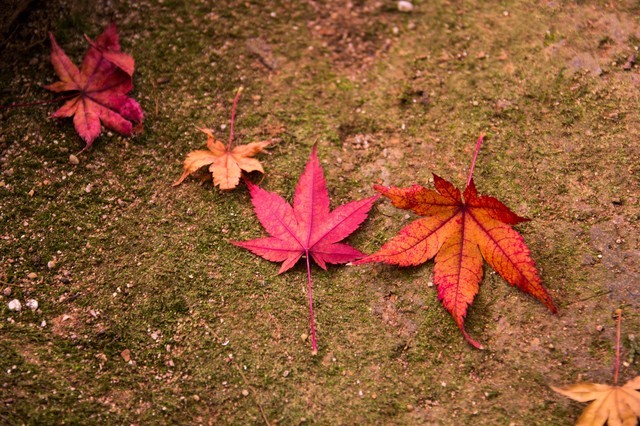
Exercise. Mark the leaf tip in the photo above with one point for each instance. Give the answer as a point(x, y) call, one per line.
point(470, 340)
point(381, 189)
point(366, 259)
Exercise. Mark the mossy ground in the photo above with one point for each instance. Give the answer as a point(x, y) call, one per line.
point(389, 98)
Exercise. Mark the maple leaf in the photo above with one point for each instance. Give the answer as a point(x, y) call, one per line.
point(308, 228)
point(225, 163)
point(619, 405)
point(98, 89)
point(459, 233)
point(615, 405)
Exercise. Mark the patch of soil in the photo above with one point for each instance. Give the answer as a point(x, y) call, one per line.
point(354, 32)
point(617, 242)
point(592, 41)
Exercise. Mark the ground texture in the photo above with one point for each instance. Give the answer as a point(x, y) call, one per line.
point(147, 315)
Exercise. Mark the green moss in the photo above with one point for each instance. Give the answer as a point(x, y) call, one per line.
point(142, 266)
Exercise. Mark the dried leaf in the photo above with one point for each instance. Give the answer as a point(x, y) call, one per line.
point(225, 165)
point(615, 405)
point(225, 162)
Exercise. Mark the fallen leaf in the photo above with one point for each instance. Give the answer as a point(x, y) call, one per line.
point(617, 405)
point(98, 89)
point(308, 228)
point(459, 233)
point(613, 405)
point(225, 163)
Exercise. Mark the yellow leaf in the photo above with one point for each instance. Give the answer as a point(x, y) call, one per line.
point(225, 165)
point(613, 405)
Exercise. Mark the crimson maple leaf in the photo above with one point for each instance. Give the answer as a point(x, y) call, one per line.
point(459, 233)
point(98, 89)
point(308, 228)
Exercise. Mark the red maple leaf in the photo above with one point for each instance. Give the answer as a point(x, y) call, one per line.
point(98, 89)
point(459, 233)
point(308, 228)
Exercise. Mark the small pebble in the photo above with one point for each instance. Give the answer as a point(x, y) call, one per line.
point(74, 160)
point(245, 392)
point(15, 305)
point(51, 264)
point(126, 355)
point(32, 275)
point(7, 291)
point(285, 373)
point(405, 6)
point(32, 304)
point(304, 337)
point(599, 328)
point(43, 324)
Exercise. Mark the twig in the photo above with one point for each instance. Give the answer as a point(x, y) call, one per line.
point(246, 382)
point(593, 296)
point(28, 104)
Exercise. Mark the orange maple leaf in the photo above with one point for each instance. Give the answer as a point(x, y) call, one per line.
point(225, 163)
point(459, 233)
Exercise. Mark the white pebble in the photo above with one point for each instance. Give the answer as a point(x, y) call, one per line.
point(15, 305)
point(74, 160)
point(405, 6)
point(32, 304)
point(51, 264)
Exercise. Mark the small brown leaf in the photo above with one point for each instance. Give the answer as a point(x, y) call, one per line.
point(225, 163)
point(126, 355)
point(617, 405)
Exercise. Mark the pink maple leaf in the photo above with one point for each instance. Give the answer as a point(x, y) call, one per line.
point(308, 228)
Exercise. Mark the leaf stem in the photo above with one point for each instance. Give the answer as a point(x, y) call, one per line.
point(233, 116)
point(28, 104)
point(314, 346)
point(475, 156)
point(617, 365)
